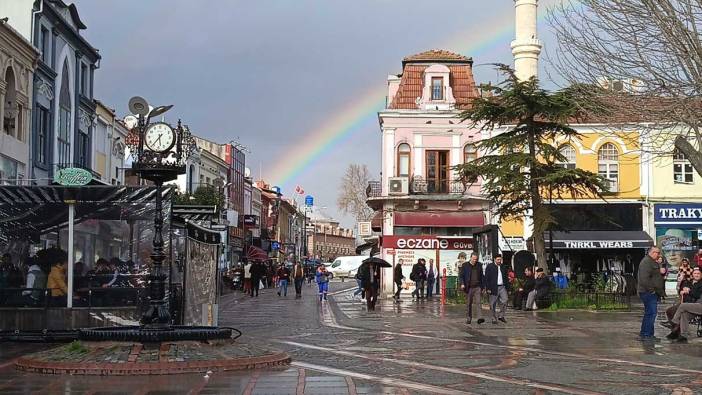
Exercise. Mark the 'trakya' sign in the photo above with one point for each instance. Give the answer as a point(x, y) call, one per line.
point(428, 242)
point(678, 214)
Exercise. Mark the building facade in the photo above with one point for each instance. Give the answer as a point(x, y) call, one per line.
point(327, 240)
point(109, 146)
point(63, 111)
point(419, 195)
point(18, 59)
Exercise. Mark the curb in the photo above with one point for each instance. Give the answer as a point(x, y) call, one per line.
point(148, 368)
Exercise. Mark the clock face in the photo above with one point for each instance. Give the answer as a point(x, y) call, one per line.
point(159, 137)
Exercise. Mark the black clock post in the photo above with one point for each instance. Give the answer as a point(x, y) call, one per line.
point(160, 153)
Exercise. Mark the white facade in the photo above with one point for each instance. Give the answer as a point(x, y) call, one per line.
point(19, 15)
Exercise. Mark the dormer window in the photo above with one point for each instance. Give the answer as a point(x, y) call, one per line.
point(437, 88)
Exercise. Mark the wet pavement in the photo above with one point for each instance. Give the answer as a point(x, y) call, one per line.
point(413, 347)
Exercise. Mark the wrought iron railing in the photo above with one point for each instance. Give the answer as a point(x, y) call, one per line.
point(374, 189)
point(420, 186)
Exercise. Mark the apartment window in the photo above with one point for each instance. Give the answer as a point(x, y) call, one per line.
point(568, 153)
point(403, 160)
point(470, 153)
point(45, 45)
point(64, 132)
point(84, 79)
point(82, 149)
point(437, 88)
point(42, 135)
point(682, 168)
point(608, 165)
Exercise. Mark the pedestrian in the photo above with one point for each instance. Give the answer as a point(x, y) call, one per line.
point(431, 278)
point(690, 291)
point(520, 297)
point(298, 278)
point(258, 271)
point(684, 272)
point(686, 310)
point(650, 288)
point(698, 258)
point(470, 277)
point(283, 275)
point(419, 276)
point(371, 283)
point(497, 286)
point(247, 277)
point(397, 278)
point(359, 284)
point(322, 282)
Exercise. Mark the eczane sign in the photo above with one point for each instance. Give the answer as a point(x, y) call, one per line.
point(428, 242)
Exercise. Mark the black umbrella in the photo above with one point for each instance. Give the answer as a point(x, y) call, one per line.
point(377, 261)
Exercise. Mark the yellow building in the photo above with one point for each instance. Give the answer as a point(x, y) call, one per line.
point(596, 234)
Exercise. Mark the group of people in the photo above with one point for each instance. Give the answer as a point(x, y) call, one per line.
point(651, 288)
point(256, 274)
point(45, 275)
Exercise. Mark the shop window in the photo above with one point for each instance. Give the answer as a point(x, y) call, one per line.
point(437, 88)
point(608, 165)
point(403, 160)
point(42, 135)
point(470, 153)
point(568, 153)
point(682, 168)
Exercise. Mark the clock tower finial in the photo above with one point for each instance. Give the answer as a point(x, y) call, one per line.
point(526, 47)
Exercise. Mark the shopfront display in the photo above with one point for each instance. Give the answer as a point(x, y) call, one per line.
point(678, 228)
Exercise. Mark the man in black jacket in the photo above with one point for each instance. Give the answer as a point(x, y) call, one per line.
point(497, 285)
point(684, 312)
point(419, 276)
point(470, 279)
point(258, 270)
point(397, 278)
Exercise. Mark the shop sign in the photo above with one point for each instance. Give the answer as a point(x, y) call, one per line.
point(678, 214)
point(598, 244)
point(73, 176)
point(512, 244)
point(250, 221)
point(428, 242)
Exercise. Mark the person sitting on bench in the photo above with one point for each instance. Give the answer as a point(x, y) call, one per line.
point(685, 311)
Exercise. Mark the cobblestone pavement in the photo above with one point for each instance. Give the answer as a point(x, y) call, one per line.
point(414, 347)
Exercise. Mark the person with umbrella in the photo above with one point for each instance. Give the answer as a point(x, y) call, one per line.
point(370, 269)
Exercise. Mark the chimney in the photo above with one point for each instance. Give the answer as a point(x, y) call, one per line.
point(526, 47)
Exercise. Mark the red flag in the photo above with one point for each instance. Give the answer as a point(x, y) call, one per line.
point(299, 190)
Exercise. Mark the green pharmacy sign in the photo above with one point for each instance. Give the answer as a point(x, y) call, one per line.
point(73, 176)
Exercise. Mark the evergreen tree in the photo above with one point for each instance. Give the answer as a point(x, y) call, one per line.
point(521, 165)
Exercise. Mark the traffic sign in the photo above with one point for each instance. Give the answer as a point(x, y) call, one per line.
point(309, 201)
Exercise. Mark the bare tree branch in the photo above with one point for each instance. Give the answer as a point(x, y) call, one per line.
point(352, 196)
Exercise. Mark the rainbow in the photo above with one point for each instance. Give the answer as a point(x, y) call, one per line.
point(479, 40)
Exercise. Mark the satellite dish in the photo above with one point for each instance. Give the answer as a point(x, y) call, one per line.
point(138, 105)
point(130, 121)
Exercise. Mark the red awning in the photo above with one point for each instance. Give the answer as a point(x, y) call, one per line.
point(447, 219)
point(254, 253)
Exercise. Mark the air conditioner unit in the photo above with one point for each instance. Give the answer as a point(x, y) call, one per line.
point(398, 186)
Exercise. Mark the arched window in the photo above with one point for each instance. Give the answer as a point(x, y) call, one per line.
point(64, 130)
point(568, 152)
point(682, 168)
point(608, 165)
point(9, 122)
point(470, 153)
point(403, 160)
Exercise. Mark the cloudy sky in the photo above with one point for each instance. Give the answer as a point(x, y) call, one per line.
point(298, 82)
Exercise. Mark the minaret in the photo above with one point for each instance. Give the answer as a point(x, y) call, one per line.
point(526, 47)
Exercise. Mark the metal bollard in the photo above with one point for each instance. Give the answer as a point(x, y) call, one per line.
point(443, 287)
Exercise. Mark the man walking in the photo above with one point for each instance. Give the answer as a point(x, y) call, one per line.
point(650, 286)
point(397, 278)
point(497, 286)
point(247, 277)
point(257, 273)
point(431, 278)
point(419, 276)
point(471, 281)
point(283, 276)
point(298, 278)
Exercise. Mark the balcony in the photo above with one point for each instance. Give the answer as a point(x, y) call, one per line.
point(420, 186)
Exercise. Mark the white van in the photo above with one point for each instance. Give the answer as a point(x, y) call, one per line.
point(343, 265)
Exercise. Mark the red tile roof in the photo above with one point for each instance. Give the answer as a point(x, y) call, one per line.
point(461, 78)
point(437, 55)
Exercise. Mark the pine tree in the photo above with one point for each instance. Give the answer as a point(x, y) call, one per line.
point(521, 165)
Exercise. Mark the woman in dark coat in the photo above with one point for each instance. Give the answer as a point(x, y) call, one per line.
point(370, 277)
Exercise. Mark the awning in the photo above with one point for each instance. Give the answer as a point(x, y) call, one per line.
point(599, 240)
point(254, 253)
point(440, 219)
